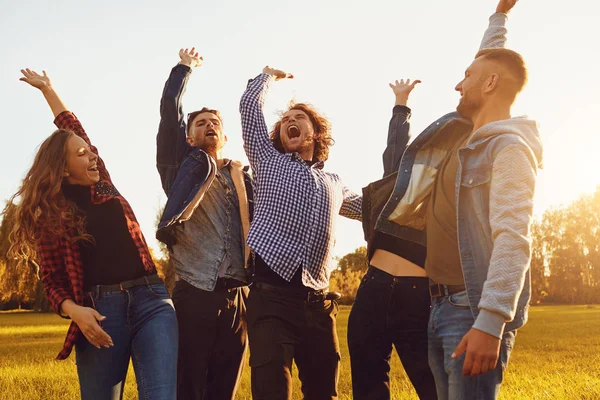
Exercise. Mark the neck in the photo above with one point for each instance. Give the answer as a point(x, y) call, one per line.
point(494, 111)
point(307, 155)
point(218, 157)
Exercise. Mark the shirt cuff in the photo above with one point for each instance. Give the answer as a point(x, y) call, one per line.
point(183, 68)
point(401, 109)
point(490, 322)
point(498, 19)
point(61, 119)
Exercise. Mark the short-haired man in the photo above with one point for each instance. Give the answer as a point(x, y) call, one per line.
point(478, 232)
point(205, 224)
point(469, 179)
point(291, 316)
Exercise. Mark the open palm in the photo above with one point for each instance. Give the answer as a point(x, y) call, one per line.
point(34, 79)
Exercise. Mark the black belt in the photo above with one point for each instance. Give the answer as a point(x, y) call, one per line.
point(144, 280)
point(441, 290)
point(310, 296)
point(227, 284)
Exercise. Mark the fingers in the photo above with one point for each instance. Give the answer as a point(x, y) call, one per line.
point(460, 349)
point(478, 362)
point(101, 337)
point(468, 364)
point(415, 83)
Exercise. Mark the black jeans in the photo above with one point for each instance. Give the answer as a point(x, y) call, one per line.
point(212, 341)
point(389, 311)
point(283, 328)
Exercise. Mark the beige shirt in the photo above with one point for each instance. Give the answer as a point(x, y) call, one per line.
point(443, 259)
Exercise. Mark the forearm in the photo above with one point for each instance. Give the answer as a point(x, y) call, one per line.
point(53, 100)
point(398, 136)
point(511, 209)
point(67, 307)
point(171, 144)
point(254, 129)
point(495, 34)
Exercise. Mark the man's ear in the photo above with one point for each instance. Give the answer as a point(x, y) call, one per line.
point(189, 140)
point(224, 139)
point(491, 83)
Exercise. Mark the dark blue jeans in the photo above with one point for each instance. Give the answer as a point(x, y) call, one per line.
point(388, 311)
point(142, 324)
point(451, 319)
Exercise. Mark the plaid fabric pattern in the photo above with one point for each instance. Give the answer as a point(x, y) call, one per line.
point(296, 204)
point(60, 260)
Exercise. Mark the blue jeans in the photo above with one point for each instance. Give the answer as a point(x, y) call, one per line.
point(450, 319)
point(142, 324)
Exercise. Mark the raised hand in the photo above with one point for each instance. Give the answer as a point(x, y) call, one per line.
point(504, 6)
point(191, 58)
point(36, 80)
point(402, 89)
point(277, 73)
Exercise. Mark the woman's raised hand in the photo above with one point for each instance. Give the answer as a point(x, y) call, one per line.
point(36, 80)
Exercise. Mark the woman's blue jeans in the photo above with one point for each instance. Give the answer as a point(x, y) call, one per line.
point(142, 324)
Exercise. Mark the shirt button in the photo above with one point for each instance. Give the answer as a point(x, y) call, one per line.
point(470, 181)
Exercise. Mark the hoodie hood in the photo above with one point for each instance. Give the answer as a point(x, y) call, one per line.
point(522, 126)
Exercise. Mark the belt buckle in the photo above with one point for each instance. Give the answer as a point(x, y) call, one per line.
point(314, 298)
point(435, 290)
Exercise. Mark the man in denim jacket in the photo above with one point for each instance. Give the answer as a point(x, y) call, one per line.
point(465, 190)
point(205, 224)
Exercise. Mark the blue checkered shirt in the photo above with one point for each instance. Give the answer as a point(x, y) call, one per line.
point(296, 204)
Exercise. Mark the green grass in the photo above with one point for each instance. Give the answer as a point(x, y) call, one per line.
point(557, 356)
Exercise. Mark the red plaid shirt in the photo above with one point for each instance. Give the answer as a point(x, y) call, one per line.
point(60, 260)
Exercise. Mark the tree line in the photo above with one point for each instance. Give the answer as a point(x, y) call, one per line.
point(565, 263)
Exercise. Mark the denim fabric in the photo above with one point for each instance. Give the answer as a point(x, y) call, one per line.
point(210, 244)
point(451, 318)
point(183, 170)
point(142, 324)
point(388, 311)
point(473, 196)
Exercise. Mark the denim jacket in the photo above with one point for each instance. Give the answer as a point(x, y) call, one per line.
point(404, 213)
point(186, 172)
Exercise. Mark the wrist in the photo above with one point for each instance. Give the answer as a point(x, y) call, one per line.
point(46, 89)
point(68, 307)
point(186, 63)
point(401, 100)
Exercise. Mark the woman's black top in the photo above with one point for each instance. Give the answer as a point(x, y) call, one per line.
point(413, 252)
point(113, 256)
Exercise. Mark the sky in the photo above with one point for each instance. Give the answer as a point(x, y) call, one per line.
point(109, 61)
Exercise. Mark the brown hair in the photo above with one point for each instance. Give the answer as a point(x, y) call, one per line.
point(322, 127)
point(43, 207)
point(513, 62)
point(194, 114)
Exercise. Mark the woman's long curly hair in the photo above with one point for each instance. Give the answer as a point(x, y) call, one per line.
point(43, 208)
point(322, 127)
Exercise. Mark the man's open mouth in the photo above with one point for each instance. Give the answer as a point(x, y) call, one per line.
point(210, 132)
point(293, 132)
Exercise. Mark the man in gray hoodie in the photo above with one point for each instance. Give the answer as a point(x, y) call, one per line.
point(478, 231)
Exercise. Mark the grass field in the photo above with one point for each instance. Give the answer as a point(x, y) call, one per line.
point(557, 356)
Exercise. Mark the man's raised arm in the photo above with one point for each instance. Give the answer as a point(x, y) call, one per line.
point(399, 128)
point(255, 134)
point(495, 35)
point(171, 144)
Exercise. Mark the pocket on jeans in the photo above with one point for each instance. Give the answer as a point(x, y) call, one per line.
point(159, 291)
point(459, 300)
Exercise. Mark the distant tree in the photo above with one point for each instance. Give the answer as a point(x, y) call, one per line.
point(346, 277)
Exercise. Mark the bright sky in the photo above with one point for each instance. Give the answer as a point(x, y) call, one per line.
point(109, 61)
